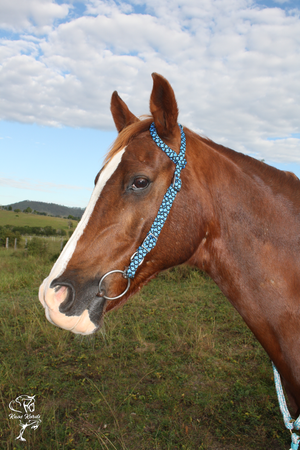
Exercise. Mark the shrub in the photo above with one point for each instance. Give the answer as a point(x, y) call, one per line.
point(37, 247)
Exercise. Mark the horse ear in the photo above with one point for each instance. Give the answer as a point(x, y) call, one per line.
point(120, 112)
point(163, 107)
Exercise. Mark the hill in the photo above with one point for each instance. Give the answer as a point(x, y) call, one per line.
point(51, 209)
point(20, 219)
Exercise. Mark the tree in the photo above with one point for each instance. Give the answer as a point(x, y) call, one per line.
point(27, 210)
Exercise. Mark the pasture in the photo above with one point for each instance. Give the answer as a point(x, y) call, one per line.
point(33, 220)
point(176, 368)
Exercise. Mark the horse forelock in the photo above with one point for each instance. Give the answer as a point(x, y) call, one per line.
point(125, 136)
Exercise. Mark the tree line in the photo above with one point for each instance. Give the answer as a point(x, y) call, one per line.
point(29, 210)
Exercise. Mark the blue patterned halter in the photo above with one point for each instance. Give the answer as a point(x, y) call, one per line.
point(163, 212)
point(150, 240)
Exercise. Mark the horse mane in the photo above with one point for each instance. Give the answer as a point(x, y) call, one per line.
point(280, 181)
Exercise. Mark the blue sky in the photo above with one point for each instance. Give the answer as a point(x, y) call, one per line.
point(234, 66)
point(51, 164)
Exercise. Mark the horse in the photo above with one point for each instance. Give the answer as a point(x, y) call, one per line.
point(232, 216)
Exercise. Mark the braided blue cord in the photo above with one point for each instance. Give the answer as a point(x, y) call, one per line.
point(288, 421)
point(164, 209)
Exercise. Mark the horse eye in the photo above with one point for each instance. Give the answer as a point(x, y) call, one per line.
point(140, 183)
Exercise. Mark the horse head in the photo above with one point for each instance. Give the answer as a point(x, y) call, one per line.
point(128, 192)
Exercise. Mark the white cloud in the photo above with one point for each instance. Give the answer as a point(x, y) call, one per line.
point(18, 15)
point(234, 66)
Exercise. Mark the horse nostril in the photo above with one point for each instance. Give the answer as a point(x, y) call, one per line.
point(64, 293)
point(67, 304)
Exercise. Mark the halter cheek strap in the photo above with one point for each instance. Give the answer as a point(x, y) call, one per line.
point(150, 240)
point(164, 209)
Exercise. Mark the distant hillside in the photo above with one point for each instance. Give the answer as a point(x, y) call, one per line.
point(49, 208)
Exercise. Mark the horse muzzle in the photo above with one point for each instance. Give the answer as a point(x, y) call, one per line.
point(58, 302)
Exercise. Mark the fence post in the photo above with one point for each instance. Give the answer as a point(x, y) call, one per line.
point(7, 241)
point(15, 245)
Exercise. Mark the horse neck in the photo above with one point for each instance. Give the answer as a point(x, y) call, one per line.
point(249, 247)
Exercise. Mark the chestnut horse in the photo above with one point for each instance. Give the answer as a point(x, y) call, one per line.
point(234, 217)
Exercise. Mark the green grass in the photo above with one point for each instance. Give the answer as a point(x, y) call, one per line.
point(176, 368)
point(33, 220)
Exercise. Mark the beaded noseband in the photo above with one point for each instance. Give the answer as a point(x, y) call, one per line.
point(151, 239)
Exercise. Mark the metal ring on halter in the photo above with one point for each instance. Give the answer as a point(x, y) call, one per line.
point(118, 296)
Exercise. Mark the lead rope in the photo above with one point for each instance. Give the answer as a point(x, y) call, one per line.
point(288, 421)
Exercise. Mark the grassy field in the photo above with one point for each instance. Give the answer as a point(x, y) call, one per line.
point(33, 220)
point(176, 368)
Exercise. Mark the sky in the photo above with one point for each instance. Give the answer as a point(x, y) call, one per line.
point(234, 66)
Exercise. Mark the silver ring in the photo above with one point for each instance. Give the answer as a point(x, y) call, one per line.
point(118, 296)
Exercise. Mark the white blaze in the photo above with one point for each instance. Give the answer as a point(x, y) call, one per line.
point(47, 296)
